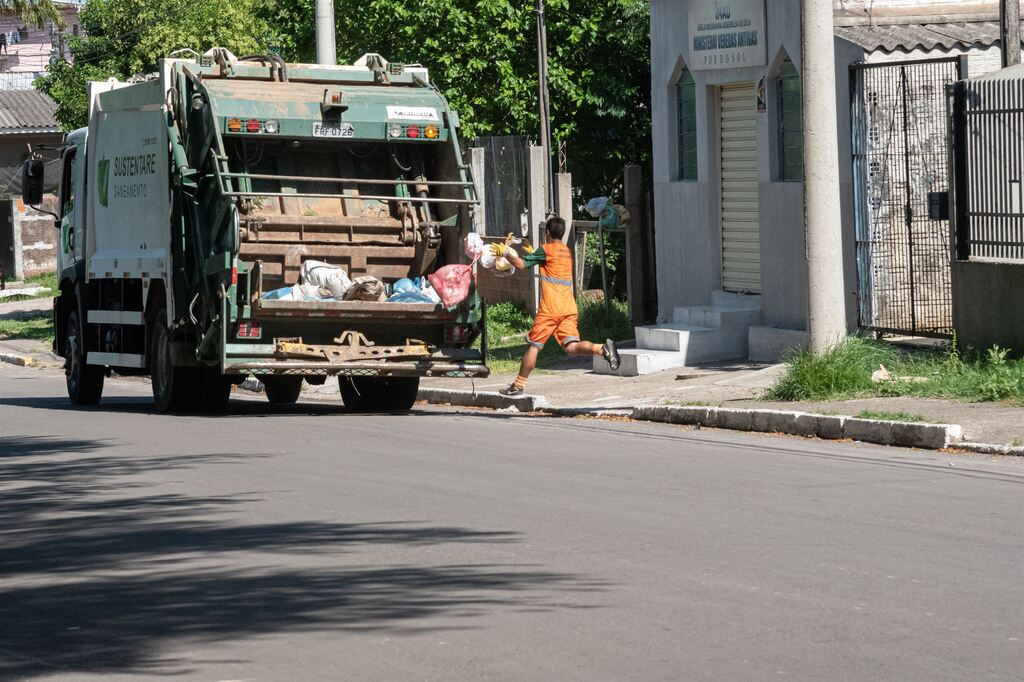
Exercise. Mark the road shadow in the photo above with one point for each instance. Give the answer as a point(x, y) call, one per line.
point(100, 574)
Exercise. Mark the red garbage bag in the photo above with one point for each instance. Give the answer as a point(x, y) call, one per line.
point(452, 283)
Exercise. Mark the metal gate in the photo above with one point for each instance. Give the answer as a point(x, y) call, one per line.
point(900, 156)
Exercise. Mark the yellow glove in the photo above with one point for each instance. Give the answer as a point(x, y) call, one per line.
point(498, 250)
point(527, 248)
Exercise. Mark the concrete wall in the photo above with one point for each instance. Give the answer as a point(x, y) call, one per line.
point(988, 307)
point(35, 239)
point(688, 232)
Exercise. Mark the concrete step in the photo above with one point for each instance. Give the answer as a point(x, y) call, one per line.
point(718, 317)
point(674, 337)
point(637, 361)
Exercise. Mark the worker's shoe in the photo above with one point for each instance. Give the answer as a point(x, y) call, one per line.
point(611, 354)
point(511, 391)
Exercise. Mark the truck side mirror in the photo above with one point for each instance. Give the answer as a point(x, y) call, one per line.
point(32, 182)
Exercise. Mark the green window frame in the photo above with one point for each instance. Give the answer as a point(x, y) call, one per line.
point(686, 110)
point(791, 127)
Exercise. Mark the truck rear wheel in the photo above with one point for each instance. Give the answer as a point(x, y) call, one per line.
point(85, 382)
point(174, 388)
point(282, 390)
point(379, 394)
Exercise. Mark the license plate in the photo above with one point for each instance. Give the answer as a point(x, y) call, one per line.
point(344, 130)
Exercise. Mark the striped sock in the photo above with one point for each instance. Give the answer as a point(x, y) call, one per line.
point(520, 382)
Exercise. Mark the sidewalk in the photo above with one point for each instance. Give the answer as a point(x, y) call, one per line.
point(728, 385)
point(19, 310)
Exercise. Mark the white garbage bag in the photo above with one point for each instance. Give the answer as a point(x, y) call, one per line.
point(327, 276)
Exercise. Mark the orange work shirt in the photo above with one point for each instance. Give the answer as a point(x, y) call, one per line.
point(555, 263)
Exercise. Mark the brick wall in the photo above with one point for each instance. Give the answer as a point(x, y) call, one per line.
point(35, 239)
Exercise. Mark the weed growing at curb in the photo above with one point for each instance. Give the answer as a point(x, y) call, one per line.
point(882, 415)
point(845, 373)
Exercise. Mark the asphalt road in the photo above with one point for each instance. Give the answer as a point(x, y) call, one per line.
point(312, 544)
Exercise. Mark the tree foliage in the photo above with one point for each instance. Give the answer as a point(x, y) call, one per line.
point(35, 12)
point(481, 53)
point(127, 37)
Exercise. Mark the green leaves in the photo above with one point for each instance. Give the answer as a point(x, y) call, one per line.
point(127, 37)
point(481, 53)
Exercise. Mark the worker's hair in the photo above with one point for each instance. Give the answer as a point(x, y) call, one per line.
point(555, 226)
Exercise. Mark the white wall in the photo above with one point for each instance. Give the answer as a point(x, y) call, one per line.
point(687, 213)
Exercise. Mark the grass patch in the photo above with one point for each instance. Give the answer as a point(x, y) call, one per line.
point(47, 279)
point(845, 373)
point(505, 320)
point(37, 327)
point(882, 415)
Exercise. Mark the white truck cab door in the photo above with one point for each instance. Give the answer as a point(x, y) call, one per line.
point(70, 208)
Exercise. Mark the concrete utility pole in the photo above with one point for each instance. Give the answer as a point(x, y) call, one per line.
point(543, 99)
point(1009, 31)
point(826, 315)
point(325, 52)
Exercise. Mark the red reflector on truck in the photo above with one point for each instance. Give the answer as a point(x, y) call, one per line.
point(252, 125)
point(249, 330)
point(234, 276)
point(412, 131)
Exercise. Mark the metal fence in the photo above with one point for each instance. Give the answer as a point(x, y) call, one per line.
point(900, 157)
point(506, 182)
point(988, 141)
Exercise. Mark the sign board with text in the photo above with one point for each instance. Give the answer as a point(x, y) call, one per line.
point(727, 34)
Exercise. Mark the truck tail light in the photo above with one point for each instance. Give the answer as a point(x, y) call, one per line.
point(249, 329)
point(430, 132)
point(234, 125)
point(412, 131)
point(456, 333)
point(252, 125)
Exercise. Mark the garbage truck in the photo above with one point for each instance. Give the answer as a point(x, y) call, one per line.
point(197, 192)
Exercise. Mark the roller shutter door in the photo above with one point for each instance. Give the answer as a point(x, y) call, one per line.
point(741, 242)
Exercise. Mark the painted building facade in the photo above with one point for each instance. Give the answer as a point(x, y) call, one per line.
point(727, 146)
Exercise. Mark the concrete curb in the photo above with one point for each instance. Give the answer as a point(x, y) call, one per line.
point(443, 396)
point(586, 412)
point(991, 449)
point(901, 434)
point(20, 360)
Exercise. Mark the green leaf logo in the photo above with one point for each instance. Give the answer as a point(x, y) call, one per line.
point(104, 180)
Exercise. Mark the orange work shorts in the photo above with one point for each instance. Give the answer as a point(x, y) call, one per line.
point(564, 329)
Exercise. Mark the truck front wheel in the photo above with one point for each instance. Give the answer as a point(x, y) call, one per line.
point(282, 390)
point(174, 388)
point(85, 382)
point(379, 394)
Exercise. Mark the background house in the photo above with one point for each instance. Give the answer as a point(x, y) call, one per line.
point(27, 237)
point(727, 166)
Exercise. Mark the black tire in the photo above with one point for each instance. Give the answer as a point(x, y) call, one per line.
point(216, 390)
point(85, 382)
point(175, 389)
point(282, 390)
point(379, 394)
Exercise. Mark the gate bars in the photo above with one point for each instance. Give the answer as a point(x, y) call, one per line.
point(900, 155)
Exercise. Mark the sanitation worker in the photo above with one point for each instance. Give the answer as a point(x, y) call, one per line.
point(557, 314)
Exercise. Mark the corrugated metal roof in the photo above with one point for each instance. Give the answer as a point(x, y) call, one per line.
point(26, 110)
point(909, 37)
